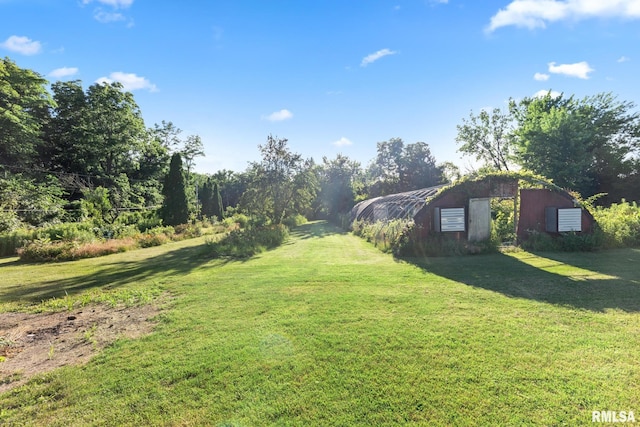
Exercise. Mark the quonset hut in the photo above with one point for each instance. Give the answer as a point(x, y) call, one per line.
point(463, 209)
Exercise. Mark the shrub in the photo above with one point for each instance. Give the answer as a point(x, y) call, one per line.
point(236, 220)
point(294, 221)
point(43, 250)
point(243, 243)
point(566, 242)
point(11, 242)
point(148, 240)
point(188, 231)
point(388, 236)
point(143, 221)
point(619, 224)
point(81, 232)
point(46, 250)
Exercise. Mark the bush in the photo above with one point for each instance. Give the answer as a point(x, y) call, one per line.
point(11, 242)
point(236, 220)
point(81, 232)
point(148, 240)
point(43, 250)
point(143, 221)
point(387, 236)
point(243, 243)
point(564, 242)
point(619, 224)
point(46, 250)
point(189, 231)
point(294, 221)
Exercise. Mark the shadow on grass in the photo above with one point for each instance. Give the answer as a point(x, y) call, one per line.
point(316, 229)
point(112, 275)
point(590, 281)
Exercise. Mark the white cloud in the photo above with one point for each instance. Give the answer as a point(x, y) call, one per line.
point(537, 13)
point(114, 3)
point(342, 142)
point(279, 116)
point(129, 81)
point(375, 56)
point(107, 17)
point(624, 59)
point(59, 73)
point(543, 93)
point(23, 45)
point(580, 70)
point(541, 77)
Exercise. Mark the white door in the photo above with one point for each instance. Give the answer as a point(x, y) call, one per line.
point(479, 220)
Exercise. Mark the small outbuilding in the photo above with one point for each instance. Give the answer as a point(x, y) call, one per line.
point(463, 210)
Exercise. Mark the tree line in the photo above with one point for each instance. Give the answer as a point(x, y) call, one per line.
point(68, 153)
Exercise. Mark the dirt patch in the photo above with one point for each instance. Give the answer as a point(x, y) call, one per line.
point(35, 343)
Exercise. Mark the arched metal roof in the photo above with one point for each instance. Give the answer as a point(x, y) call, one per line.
point(394, 206)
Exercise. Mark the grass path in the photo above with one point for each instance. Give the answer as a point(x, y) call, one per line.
point(326, 330)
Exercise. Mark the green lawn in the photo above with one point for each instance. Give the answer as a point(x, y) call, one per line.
point(327, 330)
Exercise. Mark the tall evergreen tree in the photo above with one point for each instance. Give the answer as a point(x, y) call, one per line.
point(206, 195)
point(217, 208)
point(175, 208)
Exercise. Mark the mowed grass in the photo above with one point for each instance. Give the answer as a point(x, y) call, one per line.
point(327, 330)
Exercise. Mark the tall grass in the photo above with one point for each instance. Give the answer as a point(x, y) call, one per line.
point(620, 224)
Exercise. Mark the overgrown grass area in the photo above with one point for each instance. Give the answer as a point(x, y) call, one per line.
point(328, 330)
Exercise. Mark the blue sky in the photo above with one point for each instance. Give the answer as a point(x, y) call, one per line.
point(333, 76)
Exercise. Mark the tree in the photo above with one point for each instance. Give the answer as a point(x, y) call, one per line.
point(418, 168)
point(589, 145)
point(217, 207)
point(192, 148)
point(280, 185)
point(205, 195)
point(175, 208)
point(26, 200)
point(232, 185)
point(24, 110)
point(167, 134)
point(400, 168)
point(488, 137)
point(210, 200)
point(337, 186)
point(115, 129)
point(66, 133)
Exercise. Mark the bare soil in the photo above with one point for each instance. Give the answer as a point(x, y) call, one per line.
point(36, 343)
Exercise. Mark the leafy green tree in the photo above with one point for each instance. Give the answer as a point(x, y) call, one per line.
point(418, 168)
point(115, 129)
point(166, 134)
point(589, 145)
point(96, 206)
point(281, 185)
point(175, 208)
point(338, 180)
point(488, 137)
point(26, 200)
point(232, 185)
point(192, 148)
point(25, 107)
point(400, 168)
point(67, 132)
point(450, 172)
